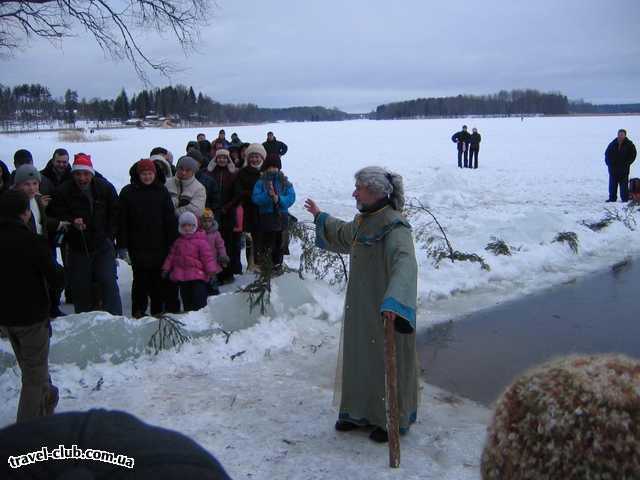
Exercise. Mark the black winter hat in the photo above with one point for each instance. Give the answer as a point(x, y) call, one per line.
point(196, 155)
point(192, 144)
point(272, 160)
point(205, 147)
point(13, 203)
point(22, 157)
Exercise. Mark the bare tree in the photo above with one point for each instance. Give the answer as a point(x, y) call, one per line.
point(113, 25)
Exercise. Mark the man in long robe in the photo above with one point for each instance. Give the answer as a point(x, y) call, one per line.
point(382, 285)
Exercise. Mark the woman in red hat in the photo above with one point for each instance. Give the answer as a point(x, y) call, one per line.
point(147, 229)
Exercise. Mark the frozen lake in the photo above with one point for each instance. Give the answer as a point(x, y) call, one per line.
point(536, 178)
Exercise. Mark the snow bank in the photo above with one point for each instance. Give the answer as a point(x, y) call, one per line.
point(259, 400)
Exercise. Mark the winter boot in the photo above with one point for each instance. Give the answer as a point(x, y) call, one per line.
point(343, 426)
point(52, 400)
point(379, 435)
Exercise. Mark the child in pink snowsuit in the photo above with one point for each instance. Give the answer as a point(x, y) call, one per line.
point(210, 228)
point(191, 263)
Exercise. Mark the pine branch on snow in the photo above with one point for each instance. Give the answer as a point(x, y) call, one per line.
point(438, 247)
point(498, 247)
point(570, 238)
point(169, 334)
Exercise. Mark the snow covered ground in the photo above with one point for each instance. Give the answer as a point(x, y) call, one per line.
point(267, 413)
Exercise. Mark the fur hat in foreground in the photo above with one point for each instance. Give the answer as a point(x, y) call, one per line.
point(575, 417)
point(256, 148)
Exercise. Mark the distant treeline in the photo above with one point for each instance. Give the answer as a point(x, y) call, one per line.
point(580, 106)
point(34, 104)
point(515, 102)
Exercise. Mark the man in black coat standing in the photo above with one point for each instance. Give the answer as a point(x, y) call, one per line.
point(147, 229)
point(274, 146)
point(462, 138)
point(26, 276)
point(619, 156)
point(474, 148)
point(89, 204)
point(58, 169)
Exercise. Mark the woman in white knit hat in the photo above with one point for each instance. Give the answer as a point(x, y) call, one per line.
point(245, 182)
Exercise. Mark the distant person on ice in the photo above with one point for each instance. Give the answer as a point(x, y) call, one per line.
point(619, 156)
point(474, 148)
point(382, 284)
point(462, 139)
point(274, 146)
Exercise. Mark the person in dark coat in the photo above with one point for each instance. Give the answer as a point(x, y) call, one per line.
point(224, 173)
point(5, 177)
point(274, 146)
point(213, 192)
point(474, 148)
point(235, 140)
point(89, 203)
point(219, 143)
point(245, 182)
point(58, 169)
point(236, 157)
point(273, 159)
point(27, 179)
point(619, 156)
point(168, 157)
point(24, 157)
point(205, 149)
point(462, 138)
point(27, 274)
point(147, 227)
point(152, 452)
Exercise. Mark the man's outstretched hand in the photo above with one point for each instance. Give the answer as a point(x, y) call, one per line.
point(311, 207)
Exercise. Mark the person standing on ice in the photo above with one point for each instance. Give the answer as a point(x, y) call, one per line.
point(243, 192)
point(274, 195)
point(89, 204)
point(146, 230)
point(220, 142)
point(27, 179)
point(187, 193)
point(190, 263)
point(474, 148)
point(274, 146)
point(164, 157)
point(28, 273)
point(619, 156)
point(58, 169)
point(382, 285)
point(462, 138)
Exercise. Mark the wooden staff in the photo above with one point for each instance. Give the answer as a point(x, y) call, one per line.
point(391, 381)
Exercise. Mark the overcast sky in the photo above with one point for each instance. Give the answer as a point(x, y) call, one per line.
point(356, 54)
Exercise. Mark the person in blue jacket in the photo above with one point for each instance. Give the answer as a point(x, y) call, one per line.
point(274, 195)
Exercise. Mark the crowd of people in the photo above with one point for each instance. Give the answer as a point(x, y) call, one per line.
point(181, 227)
